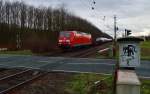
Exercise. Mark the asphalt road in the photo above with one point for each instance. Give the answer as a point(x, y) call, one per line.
point(84, 65)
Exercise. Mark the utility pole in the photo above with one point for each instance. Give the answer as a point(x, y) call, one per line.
point(115, 37)
point(114, 53)
point(125, 32)
point(115, 28)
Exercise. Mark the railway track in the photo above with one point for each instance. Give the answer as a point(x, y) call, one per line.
point(88, 52)
point(7, 72)
point(15, 80)
point(80, 52)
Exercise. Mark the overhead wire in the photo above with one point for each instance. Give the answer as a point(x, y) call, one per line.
point(92, 3)
point(87, 5)
point(109, 27)
point(103, 19)
point(106, 27)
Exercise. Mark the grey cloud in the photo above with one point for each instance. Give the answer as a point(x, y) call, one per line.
point(134, 14)
point(124, 8)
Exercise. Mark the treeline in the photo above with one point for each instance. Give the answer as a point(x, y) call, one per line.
point(26, 27)
point(146, 37)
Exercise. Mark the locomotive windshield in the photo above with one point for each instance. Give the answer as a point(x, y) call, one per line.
point(65, 34)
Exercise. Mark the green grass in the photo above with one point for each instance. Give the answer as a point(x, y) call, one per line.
point(84, 84)
point(20, 52)
point(145, 44)
point(145, 50)
point(145, 87)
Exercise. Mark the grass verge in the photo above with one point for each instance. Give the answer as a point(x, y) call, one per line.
point(145, 44)
point(145, 87)
point(20, 52)
point(145, 50)
point(89, 84)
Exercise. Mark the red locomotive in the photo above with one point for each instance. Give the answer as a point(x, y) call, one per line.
point(70, 39)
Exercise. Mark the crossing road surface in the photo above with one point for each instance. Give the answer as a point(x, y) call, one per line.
point(105, 66)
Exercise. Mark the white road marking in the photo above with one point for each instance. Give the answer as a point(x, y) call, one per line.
point(91, 64)
point(49, 63)
point(100, 51)
point(80, 72)
point(89, 59)
point(42, 65)
point(4, 65)
point(44, 61)
point(144, 77)
point(1, 57)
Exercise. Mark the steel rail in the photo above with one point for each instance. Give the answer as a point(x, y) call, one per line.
point(13, 75)
point(22, 83)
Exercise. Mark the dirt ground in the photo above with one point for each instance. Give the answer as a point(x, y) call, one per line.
point(60, 83)
point(52, 83)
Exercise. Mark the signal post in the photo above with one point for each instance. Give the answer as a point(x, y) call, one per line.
point(127, 81)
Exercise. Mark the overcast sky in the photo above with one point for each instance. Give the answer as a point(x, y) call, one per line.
point(131, 14)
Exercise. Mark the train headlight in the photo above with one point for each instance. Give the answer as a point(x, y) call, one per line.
point(67, 40)
point(60, 40)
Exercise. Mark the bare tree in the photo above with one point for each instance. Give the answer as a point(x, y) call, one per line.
point(19, 18)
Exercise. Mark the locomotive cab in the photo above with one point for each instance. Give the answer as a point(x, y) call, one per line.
point(65, 38)
point(71, 39)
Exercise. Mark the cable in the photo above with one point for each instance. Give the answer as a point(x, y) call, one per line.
point(95, 12)
point(93, 2)
point(101, 19)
